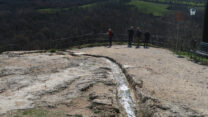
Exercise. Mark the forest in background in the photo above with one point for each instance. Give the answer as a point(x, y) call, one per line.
point(26, 24)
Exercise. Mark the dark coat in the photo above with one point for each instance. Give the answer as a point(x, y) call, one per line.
point(138, 33)
point(131, 32)
point(147, 36)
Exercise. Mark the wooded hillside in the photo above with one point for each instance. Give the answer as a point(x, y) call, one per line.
point(27, 24)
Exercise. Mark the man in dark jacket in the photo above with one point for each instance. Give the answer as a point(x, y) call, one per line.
point(138, 36)
point(146, 39)
point(131, 35)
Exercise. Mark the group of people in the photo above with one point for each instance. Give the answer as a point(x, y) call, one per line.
point(133, 34)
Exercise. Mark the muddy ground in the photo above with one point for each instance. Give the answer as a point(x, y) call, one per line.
point(163, 85)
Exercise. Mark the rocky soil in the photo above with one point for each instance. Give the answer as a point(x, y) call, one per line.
point(84, 84)
point(73, 85)
point(165, 84)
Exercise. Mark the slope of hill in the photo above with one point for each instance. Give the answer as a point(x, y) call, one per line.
point(156, 9)
point(33, 25)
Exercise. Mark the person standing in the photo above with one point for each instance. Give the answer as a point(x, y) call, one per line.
point(138, 36)
point(110, 36)
point(146, 39)
point(131, 35)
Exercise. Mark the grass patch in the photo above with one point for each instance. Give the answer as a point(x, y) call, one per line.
point(52, 50)
point(37, 112)
point(196, 58)
point(53, 10)
point(192, 3)
point(88, 5)
point(184, 54)
point(200, 8)
point(77, 116)
point(155, 9)
point(183, 2)
point(96, 111)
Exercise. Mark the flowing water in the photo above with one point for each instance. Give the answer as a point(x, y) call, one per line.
point(124, 92)
point(123, 89)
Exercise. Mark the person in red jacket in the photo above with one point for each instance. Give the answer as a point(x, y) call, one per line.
point(110, 36)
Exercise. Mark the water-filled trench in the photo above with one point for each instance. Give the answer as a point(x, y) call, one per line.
point(123, 89)
point(124, 92)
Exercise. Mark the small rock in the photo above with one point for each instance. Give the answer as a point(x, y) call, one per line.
point(85, 86)
point(102, 102)
point(51, 106)
point(93, 96)
point(128, 66)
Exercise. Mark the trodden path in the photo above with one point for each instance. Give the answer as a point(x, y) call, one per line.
point(165, 76)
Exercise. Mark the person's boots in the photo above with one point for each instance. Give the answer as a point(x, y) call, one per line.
point(137, 45)
point(130, 46)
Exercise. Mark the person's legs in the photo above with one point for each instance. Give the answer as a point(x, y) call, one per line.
point(109, 41)
point(110, 44)
point(130, 43)
point(134, 41)
point(147, 44)
point(148, 40)
point(137, 41)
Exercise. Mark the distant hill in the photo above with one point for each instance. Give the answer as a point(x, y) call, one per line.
point(32, 24)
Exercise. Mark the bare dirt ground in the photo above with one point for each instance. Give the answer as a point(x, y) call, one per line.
point(181, 85)
point(59, 82)
point(62, 85)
